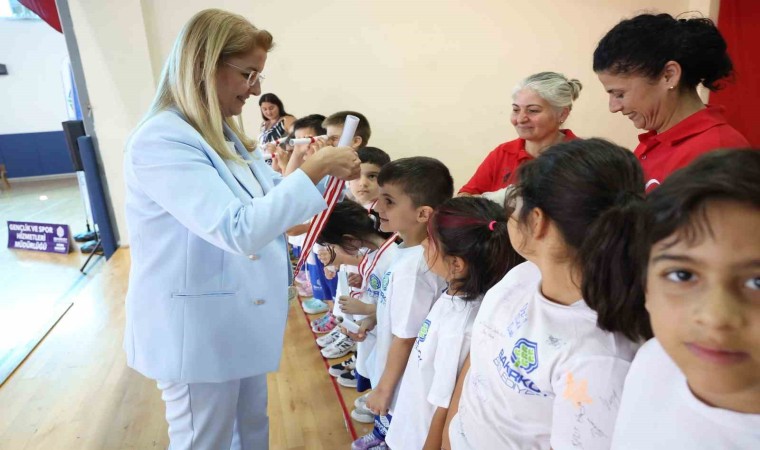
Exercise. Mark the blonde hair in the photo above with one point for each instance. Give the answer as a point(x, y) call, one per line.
point(553, 87)
point(187, 81)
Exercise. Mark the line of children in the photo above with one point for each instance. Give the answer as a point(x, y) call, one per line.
point(552, 340)
point(467, 244)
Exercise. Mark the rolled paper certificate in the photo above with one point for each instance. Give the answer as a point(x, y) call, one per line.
point(332, 194)
point(348, 324)
point(307, 140)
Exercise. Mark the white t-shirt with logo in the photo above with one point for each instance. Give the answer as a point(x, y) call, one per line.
point(659, 411)
point(442, 345)
point(407, 292)
point(542, 375)
point(370, 295)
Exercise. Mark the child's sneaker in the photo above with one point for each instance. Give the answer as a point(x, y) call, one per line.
point(315, 306)
point(329, 338)
point(347, 380)
point(363, 415)
point(326, 326)
point(339, 369)
point(339, 348)
point(321, 320)
point(368, 442)
point(361, 402)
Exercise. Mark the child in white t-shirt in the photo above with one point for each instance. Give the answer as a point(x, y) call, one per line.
point(353, 229)
point(466, 245)
point(410, 190)
point(696, 385)
point(553, 340)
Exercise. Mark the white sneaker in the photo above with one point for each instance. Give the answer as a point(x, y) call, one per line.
point(361, 402)
point(339, 348)
point(346, 366)
point(329, 338)
point(362, 415)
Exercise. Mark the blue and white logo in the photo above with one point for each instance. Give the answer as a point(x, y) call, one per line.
point(525, 355)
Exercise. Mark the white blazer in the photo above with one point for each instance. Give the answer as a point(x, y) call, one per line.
point(207, 298)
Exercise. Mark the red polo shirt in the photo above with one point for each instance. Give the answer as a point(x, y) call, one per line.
point(497, 170)
point(705, 130)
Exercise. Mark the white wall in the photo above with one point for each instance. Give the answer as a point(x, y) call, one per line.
point(114, 52)
point(434, 77)
point(31, 95)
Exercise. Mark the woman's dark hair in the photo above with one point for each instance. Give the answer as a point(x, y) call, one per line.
point(474, 229)
point(642, 45)
point(275, 100)
point(350, 218)
point(593, 191)
point(679, 205)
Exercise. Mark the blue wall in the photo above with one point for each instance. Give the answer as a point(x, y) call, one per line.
point(35, 154)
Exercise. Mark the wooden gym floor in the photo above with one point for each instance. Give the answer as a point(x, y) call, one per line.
point(75, 392)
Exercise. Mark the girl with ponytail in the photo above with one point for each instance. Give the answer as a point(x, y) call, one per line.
point(554, 338)
point(467, 243)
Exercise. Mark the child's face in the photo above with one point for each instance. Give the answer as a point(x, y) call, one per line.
point(333, 136)
point(303, 133)
point(703, 298)
point(365, 188)
point(396, 209)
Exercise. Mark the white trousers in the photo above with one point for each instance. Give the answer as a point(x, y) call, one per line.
point(217, 416)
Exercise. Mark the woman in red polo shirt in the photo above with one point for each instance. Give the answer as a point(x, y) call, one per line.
point(651, 66)
point(540, 104)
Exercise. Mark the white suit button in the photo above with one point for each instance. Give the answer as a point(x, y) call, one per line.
point(253, 257)
point(259, 302)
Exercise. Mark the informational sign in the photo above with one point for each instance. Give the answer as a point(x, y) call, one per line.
point(41, 237)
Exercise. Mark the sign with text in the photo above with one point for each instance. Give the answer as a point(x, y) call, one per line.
point(41, 237)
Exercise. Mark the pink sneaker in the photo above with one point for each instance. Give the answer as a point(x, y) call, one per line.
point(326, 326)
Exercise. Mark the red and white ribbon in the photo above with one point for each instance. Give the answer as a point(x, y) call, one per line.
point(365, 268)
point(332, 194)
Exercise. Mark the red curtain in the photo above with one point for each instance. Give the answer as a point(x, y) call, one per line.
point(47, 11)
point(738, 22)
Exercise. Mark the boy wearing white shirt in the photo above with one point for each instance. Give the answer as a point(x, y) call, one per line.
point(410, 190)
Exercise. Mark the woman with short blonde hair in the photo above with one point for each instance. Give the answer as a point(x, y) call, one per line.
point(207, 298)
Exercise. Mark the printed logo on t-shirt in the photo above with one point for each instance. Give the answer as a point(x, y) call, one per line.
point(515, 365)
point(374, 282)
point(421, 337)
point(423, 331)
point(525, 355)
point(384, 288)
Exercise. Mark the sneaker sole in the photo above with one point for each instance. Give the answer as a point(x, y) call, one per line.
point(347, 383)
point(362, 418)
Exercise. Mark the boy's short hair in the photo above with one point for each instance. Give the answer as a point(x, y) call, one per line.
point(362, 130)
point(425, 180)
point(313, 121)
point(373, 155)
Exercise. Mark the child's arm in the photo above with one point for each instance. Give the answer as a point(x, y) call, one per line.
point(435, 434)
point(352, 305)
point(298, 230)
point(379, 401)
point(454, 406)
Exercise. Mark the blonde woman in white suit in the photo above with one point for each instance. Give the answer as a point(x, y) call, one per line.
point(207, 298)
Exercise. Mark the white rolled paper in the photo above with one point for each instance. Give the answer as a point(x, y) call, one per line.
point(306, 140)
point(349, 129)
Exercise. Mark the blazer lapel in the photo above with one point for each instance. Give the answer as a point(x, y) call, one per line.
point(255, 164)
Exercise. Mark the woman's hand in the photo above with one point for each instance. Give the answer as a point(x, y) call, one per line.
point(340, 162)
